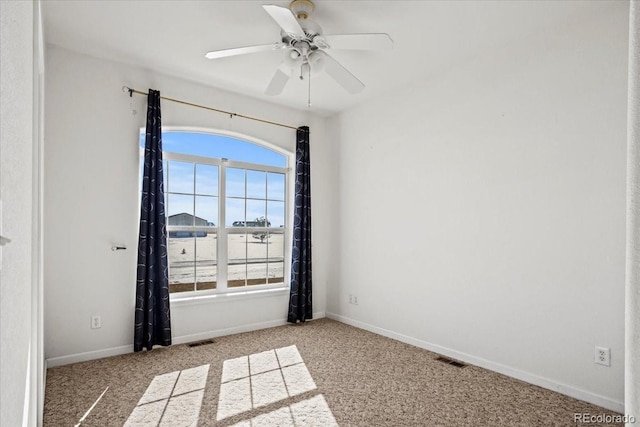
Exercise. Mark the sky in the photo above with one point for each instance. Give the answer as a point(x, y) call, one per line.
point(218, 146)
point(250, 194)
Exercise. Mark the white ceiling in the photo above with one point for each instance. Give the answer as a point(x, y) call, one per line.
point(173, 36)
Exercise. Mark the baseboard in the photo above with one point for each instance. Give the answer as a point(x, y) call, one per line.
point(567, 390)
point(26, 402)
point(124, 349)
point(236, 330)
point(45, 365)
point(228, 331)
point(52, 362)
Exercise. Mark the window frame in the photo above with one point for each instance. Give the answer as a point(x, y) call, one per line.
point(221, 230)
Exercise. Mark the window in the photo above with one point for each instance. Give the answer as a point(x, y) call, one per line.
point(226, 204)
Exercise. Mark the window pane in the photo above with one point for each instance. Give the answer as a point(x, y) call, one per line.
point(181, 253)
point(165, 175)
point(207, 180)
point(275, 266)
point(235, 182)
point(180, 177)
point(235, 212)
point(206, 211)
point(256, 185)
point(275, 213)
point(206, 261)
point(275, 186)
point(276, 272)
point(219, 146)
point(237, 262)
point(256, 212)
point(257, 245)
point(179, 209)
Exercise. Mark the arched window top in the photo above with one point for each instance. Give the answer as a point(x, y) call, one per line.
point(218, 146)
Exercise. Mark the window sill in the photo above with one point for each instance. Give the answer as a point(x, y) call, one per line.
point(228, 297)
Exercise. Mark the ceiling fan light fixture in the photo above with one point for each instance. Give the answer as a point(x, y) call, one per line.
point(301, 8)
point(292, 61)
point(316, 62)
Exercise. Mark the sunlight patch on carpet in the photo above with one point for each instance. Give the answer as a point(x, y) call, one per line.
point(312, 412)
point(261, 379)
point(171, 399)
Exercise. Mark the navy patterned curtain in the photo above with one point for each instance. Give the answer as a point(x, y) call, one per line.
point(300, 308)
point(152, 316)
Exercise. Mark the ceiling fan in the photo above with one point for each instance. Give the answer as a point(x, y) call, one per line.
point(305, 48)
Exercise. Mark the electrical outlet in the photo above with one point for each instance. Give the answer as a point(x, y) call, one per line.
point(95, 322)
point(603, 356)
point(355, 300)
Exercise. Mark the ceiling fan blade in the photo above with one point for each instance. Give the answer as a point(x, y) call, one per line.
point(214, 54)
point(373, 41)
point(341, 75)
point(279, 80)
point(284, 17)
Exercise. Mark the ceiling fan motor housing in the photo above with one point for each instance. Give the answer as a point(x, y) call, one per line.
point(311, 30)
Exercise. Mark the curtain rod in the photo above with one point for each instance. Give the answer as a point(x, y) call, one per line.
point(139, 92)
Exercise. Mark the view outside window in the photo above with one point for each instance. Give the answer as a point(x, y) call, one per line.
point(255, 202)
point(191, 192)
point(226, 212)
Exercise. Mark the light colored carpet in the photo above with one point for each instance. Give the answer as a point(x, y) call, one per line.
point(321, 373)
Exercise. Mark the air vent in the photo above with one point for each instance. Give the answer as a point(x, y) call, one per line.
point(199, 343)
point(450, 362)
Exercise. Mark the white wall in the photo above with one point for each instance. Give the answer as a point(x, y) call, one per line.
point(20, 364)
point(91, 203)
point(632, 294)
point(482, 211)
